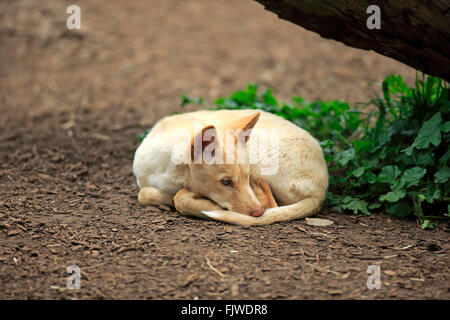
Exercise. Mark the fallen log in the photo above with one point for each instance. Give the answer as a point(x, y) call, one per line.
point(415, 32)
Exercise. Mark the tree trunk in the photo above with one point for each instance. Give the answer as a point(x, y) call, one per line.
point(415, 32)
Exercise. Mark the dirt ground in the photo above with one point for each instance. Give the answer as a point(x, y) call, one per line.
point(72, 103)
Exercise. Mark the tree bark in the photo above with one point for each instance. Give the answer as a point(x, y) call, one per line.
point(415, 32)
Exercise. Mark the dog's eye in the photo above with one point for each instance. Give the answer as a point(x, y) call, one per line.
point(226, 182)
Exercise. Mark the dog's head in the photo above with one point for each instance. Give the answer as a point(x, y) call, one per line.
point(218, 168)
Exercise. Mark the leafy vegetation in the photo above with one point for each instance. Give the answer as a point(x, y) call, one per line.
point(399, 164)
point(141, 136)
point(393, 158)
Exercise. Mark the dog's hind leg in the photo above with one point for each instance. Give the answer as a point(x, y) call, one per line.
point(189, 203)
point(154, 196)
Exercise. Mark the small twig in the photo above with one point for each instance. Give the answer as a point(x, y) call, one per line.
point(94, 266)
point(322, 269)
point(125, 249)
point(321, 234)
point(104, 296)
point(214, 269)
point(275, 259)
point(404, 248)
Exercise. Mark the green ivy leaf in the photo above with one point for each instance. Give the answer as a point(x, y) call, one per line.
point(188, 100)
point(370, 177)
point(358, 172)
point(442, 175)
point(419, 159)
point(429, 133)
point(374, 205)
point(372, 163)
point(427, 224)
point(411, 177)
point(268, 98)
point(400, 209)
point(379, 141)
point(388, 174)
point(393, 196)
point(424, 159)
point(355, 205)
point(345, 156)
point(361, 145)
point(141, 136)
point(445, 127)
point(432, 193)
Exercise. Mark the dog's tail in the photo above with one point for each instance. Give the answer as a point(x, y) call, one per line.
point(303, 208)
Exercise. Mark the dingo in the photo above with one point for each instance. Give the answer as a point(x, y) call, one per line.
point(238, 193)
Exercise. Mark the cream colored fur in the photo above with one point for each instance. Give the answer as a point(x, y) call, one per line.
point(299, 185)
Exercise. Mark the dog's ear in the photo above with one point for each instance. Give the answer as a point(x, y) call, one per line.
point(201, 140)
point(246, 123)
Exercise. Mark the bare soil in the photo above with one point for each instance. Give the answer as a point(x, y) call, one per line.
point(72, 103)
